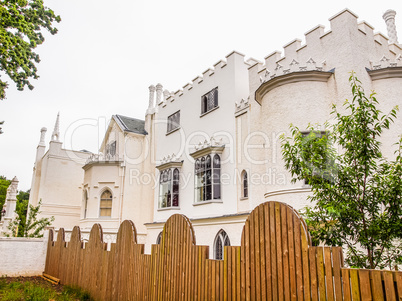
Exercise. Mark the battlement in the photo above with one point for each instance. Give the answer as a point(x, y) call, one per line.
point(232, 60)
point(323, 50)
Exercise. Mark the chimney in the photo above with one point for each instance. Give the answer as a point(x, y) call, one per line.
point(389, 17)
point(151, 100)
point(159, 89)
point(42, 136)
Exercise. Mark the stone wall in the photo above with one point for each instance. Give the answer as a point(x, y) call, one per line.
point(22, 256)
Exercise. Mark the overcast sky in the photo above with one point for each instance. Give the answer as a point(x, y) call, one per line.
point(107, 53)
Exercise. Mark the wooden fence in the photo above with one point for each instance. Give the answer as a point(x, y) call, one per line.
point(274, 262)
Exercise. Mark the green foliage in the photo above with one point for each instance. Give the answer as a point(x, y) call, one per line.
point(36, 289)
point(21, 25)
point(33, 226)
point(356, 193)
point(4, 183)
point(21, 209)
point(76, 292)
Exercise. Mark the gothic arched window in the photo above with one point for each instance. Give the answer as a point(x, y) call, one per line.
point(159, 238)
point(169, 188)
point(208, 178)
point(221, 240)
point(106, 204)
point(244, 184)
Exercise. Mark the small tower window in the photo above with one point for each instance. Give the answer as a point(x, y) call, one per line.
point(106, 204)
point(209, 101)
point(244, 186)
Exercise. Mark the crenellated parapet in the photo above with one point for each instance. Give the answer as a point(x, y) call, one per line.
point(212, 142)
point(101, 158)
point(169, 158)
point(347, 44)
point(386, 62)
point(242, 106)
point(231, 61)
point(293, 66)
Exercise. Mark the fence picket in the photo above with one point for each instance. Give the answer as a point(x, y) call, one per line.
point(274, 262)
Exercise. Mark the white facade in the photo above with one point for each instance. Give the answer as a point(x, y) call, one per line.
point(57, 181)
point(237, 110)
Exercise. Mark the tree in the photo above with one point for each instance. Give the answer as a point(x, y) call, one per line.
point(22, 22)
point(356, 192)
point(4, 183)
point(33, 226)
point(21, 209)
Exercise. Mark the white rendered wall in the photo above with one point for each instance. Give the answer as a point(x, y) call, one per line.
point(22, 256)
point(231, 79)
point(59, 174)
point(347, 47)
point(132, 192)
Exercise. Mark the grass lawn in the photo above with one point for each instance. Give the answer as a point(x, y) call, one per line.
point(37, 289)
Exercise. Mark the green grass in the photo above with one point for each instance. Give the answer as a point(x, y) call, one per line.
point(37, 289)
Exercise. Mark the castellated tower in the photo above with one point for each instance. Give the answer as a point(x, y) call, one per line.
point(53, 169)
point(299, 87)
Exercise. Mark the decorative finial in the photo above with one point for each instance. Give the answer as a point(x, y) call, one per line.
point(389, 17)
point(56, 132)
point(42, 136)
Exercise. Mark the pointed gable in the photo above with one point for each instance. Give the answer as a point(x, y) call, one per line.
point(129, 124)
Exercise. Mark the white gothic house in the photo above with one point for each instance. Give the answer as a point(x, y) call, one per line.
point(211, 150)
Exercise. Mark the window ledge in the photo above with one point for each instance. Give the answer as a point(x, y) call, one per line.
point(172, 131)
point(168, 208)
point(208, 202)
point(243, 198)
point(203, 114)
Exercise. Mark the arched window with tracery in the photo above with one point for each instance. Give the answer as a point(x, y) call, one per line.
point(106, 204)
point(169, 188)
point(208, 178)
point(244, 184)
point(221, 240)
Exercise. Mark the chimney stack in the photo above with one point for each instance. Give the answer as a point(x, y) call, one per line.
point(389, 17)
point(159, 89)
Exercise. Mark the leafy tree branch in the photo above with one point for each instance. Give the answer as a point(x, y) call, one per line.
point(356, 192)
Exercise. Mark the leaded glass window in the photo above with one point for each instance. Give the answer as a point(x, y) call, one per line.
point(169, 188)
point(111, 150)
point(173, 121)
point(209, 101)
point(221, 240)
point(207, 178)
